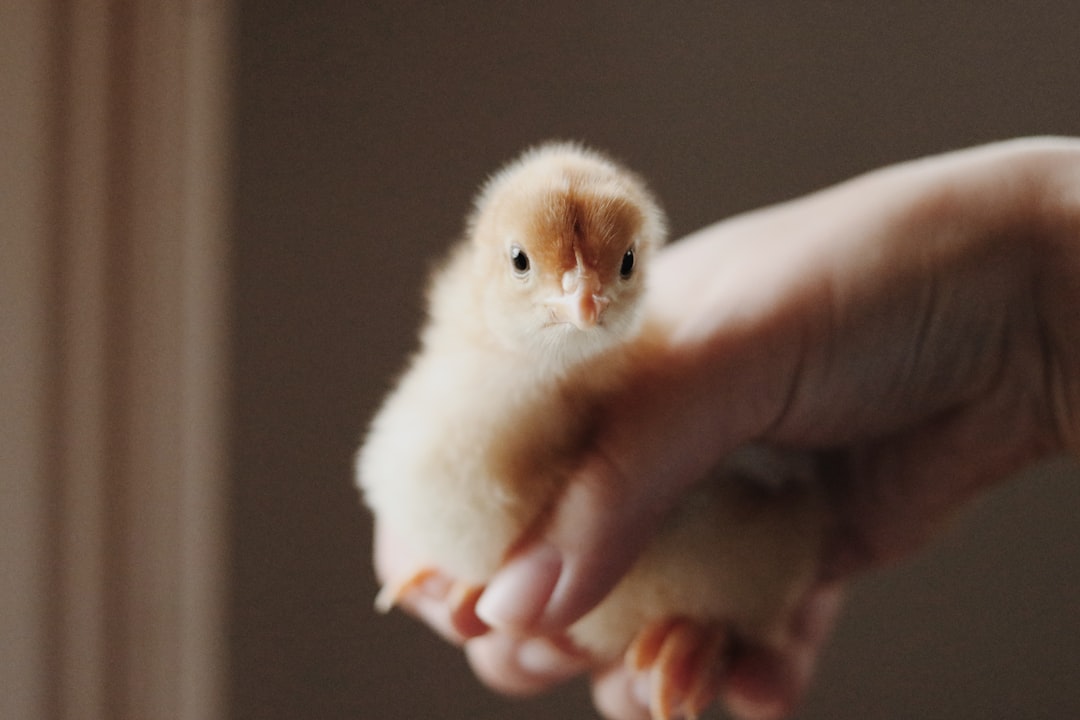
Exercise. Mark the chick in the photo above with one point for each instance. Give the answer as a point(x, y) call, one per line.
point(534, 318)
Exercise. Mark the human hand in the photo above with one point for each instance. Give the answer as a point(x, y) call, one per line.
point(758, 680)
point(915, 327)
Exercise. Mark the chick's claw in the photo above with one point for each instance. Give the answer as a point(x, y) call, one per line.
point(445, 603)
point(684, 662)
point(430, 583)
point(392, 592)
point(462, 599)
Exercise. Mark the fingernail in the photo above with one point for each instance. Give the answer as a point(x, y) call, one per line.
point(641, 687)
point(517, 595)
point(541, 658)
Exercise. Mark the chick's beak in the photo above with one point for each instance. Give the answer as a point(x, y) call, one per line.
point(582, 301)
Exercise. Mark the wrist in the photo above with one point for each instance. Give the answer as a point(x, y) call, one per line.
point(1056, 167)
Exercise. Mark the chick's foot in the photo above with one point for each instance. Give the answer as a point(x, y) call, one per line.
point(683, 661)
point(460, 596)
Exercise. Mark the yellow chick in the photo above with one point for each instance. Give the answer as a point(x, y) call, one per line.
point(535, 316)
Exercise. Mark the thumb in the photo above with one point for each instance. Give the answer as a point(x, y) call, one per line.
point(597, 529)
point(657, 442)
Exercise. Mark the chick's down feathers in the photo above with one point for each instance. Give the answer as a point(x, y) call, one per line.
point(536, 315)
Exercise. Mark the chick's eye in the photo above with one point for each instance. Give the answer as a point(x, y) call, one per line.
point(519, 260)
point(627, 266)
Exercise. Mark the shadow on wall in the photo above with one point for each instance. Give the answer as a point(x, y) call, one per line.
point(362, 132)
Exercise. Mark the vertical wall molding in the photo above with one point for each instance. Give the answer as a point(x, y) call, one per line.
point(120, 211)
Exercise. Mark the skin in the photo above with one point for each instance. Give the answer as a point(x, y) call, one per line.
point(916, 327)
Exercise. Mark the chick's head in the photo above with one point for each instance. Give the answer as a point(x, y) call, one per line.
point(564, 237)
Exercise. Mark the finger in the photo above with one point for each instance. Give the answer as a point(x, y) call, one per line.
point(598, 529)
point(898, 492)
point(760, 684)
point(766, 683)
point(523, 666)
point(620, 695)
point(436, 614)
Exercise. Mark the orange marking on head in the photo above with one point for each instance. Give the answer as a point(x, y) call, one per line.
point(584, 228)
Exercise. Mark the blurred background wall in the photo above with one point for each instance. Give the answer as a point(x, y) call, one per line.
point(361, 132)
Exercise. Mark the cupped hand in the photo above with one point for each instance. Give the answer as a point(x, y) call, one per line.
point(915, 329)
point(759, 682)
